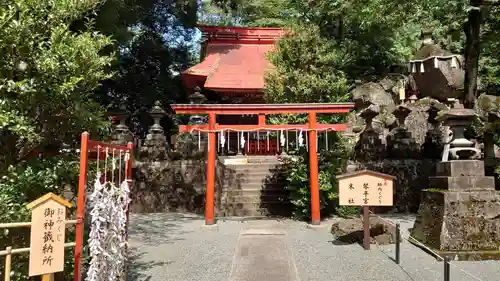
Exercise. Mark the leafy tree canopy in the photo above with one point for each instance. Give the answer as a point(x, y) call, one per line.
point(48, 75)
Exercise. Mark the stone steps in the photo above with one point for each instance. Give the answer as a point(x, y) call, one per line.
point(256, 191)
point(251, 189)
point(249, 196)
point(254, 209)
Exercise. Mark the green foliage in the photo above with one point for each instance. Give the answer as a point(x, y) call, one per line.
point(47, 76)
point(25, 182)
point(348, 211)
point(306, 69)
point(296, 171)
point(48, 73)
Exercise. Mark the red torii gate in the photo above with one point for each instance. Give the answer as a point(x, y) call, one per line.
point(261, 110)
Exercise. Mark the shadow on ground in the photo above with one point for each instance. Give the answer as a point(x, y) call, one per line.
point(159, 228)
point(138, 270)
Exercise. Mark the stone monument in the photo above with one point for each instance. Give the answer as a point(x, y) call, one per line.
point(459, 214)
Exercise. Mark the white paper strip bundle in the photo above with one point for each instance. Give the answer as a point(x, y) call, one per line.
point(222, 140)
point(242, 141)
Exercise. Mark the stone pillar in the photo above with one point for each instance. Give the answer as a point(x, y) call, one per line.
point(155, 146)
point(121, 134)
point(459, 214)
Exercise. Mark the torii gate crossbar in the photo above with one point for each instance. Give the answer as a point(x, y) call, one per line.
point(262, 110)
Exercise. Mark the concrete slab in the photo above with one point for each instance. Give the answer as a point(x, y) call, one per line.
point(263, 258)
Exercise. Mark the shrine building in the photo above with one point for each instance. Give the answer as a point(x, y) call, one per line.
point(228, 113)
point(232, 69)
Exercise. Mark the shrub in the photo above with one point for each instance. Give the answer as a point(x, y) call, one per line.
point(330, 163)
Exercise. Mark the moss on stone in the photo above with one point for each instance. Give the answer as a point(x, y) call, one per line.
point(435, 190)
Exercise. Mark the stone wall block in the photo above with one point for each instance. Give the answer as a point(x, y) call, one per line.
point(460, 168)
point(462, 183)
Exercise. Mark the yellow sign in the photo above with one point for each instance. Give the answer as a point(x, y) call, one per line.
point(365, 188)
point(48, 219)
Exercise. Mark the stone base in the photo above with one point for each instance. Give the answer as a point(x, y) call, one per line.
point(473, 183)
point(461, 255)
point(459, 216)
point(321, 226)
point(459, 223)
point(210, 227)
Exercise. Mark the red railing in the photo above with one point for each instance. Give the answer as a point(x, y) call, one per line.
point(87, 148)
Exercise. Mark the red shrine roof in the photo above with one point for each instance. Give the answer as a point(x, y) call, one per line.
point(235, 59)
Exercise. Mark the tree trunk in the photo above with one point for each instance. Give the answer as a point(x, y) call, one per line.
point(472, 44)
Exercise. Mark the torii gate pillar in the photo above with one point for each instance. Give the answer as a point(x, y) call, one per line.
point(313, 171)
point(210, 192)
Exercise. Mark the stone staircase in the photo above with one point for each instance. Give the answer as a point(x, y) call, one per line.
point(254, 188)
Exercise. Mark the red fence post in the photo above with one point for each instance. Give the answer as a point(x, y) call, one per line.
point(313, 171)
point(210, 192)
point(80, 207)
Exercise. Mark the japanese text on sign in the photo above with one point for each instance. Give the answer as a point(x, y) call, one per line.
point(47, 238)
point(365, 189)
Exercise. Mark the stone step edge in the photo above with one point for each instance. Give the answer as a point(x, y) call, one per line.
point(254, 203)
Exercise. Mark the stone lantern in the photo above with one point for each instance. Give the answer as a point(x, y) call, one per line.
point(458, 119)
point(400, 143)
point(122, 134)
point(369, 145)
point(155, 145)
point(461, 203)
point(157, 113)
point(368, 114)
point(197, 98)
point(433, 145)
point(198, 137)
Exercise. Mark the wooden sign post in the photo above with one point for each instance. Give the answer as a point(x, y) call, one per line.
point(365, 188)
point(48, 227)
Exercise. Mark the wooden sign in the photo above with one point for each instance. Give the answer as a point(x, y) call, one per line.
point(365, 188)
point(48, 219)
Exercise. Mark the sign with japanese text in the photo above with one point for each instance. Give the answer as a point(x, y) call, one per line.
point(365, 188)
point(48, 219)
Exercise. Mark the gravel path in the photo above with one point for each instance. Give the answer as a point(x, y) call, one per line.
point(175, 247)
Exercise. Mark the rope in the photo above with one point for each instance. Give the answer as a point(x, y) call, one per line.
point(387, 221)
point(259, 129)
point(400, 266)
point(414, 240)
